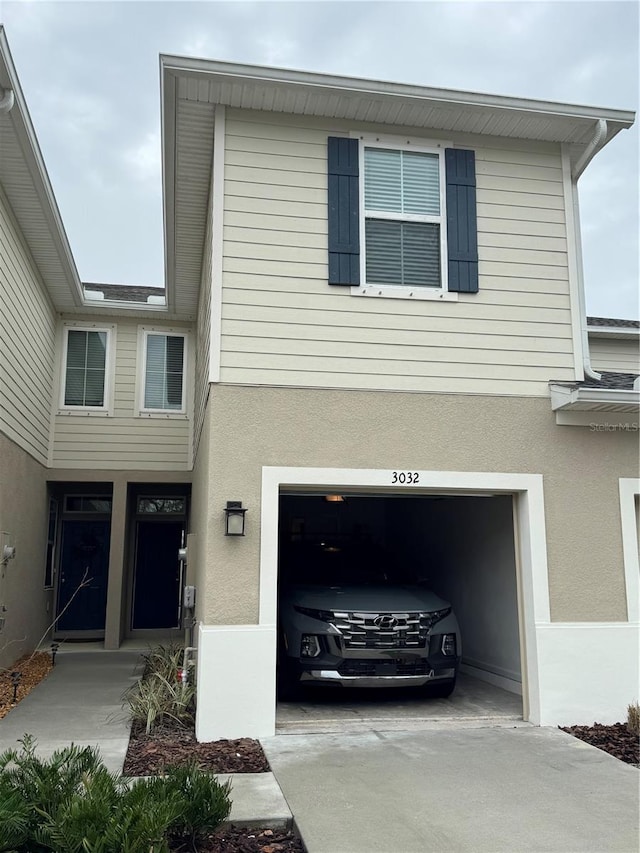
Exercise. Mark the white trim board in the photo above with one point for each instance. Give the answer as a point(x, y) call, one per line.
point(528, 489)
point(217, 240)
point(629, 490)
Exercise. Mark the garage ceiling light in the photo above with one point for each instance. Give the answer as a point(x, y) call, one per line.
point(334, 499)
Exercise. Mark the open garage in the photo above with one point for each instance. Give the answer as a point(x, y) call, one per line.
point(459, 546)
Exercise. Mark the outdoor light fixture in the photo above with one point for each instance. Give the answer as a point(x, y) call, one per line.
point(234, 519)
point(334, 499)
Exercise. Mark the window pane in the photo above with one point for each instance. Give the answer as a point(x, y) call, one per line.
point(421, 183)
point(382, 179)
point(85, 369)
point(94, 388)
point(76, 349)
point(96, 349)
point(163, 373)
point(402, 253)
point(401, 181)
point(74, 387)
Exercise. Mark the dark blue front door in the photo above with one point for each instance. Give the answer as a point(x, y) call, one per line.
point(84, 559)
point(157, 575)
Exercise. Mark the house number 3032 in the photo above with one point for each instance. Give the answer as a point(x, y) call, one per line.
point(405, 477)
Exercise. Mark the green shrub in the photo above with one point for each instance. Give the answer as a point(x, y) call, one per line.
point(71, 803)
point(633, 718)
point(206, 802)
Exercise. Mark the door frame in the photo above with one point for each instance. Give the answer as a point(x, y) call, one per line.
point(69, 515)
point(151, 490)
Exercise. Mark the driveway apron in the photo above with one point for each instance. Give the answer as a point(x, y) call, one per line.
point(482, 790)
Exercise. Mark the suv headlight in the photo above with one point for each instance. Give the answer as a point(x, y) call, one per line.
point(430, 619)
point(322, 615)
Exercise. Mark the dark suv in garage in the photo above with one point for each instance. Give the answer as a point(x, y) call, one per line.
point(351, 615)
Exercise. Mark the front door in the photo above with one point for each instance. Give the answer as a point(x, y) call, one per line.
point(157, 576)
point(84, 568)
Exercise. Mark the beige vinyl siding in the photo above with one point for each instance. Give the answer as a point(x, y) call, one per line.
point(618, 355)
point(126, 440)
point(282, 324)
point(27, 344)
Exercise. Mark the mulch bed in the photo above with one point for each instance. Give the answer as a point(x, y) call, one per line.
point(32, 668)
point(232, 839)
point(617, 740)
point(148, 754)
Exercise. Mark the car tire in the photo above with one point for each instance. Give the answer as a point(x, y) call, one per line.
point(441, 689)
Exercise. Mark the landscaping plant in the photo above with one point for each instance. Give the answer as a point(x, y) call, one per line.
point(159, 696)
point(633, 718)
point(71, 803)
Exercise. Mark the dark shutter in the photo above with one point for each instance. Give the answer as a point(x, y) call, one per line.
point(343, 215)
point(462, 228)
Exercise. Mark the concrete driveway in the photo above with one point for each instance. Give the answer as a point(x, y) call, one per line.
point(482, 790)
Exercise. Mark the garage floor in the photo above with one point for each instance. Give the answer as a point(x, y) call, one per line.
point(325, 711)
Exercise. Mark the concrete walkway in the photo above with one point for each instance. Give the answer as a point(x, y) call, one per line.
point(484, 790)
point(80, 701)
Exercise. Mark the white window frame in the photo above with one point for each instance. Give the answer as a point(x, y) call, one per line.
point(143, 335)
point(420, 146)
point(106, 410)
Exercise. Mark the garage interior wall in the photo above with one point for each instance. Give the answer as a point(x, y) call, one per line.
point(468, 550)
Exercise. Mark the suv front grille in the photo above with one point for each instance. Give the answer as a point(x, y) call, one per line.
point(382, 630)
point(372, 668)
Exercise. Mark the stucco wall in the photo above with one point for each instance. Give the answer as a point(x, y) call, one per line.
point(251, 427)
point(23, 524)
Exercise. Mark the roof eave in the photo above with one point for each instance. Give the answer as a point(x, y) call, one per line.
point(361, 86)
point(567, 398)
point(38, 171)
point(612, 332)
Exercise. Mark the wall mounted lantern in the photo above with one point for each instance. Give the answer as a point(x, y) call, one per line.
point(234, 518)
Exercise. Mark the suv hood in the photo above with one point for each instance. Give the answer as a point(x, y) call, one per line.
point(374, 599)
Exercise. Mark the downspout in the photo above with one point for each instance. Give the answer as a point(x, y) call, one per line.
point(599, 139)
point(7, 101)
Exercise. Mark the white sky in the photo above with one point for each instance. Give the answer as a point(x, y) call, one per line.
point(89, 71)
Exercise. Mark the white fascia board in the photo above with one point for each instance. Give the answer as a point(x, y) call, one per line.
point(168, 114)
point(30, 148)
point(563, 397)
point(365, 86)
point(612, 332)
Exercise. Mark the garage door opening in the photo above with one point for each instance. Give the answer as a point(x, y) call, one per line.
point(461, 548)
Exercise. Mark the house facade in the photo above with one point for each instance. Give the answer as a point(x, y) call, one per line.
point(373, 292)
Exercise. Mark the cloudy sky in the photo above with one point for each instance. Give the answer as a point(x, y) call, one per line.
point(89, 71)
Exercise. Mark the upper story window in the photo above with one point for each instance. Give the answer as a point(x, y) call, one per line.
point(403, 225)
point(402, 218)
point(86, 368)
point(164, 372)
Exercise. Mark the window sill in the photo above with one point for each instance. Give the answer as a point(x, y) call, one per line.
point(87, 413)
point(176, 416)
point(390, 292)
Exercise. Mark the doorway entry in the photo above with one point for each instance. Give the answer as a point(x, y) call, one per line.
point(159, 532)
point(81, 598)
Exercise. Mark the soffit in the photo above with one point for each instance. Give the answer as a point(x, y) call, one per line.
point(25, 182)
